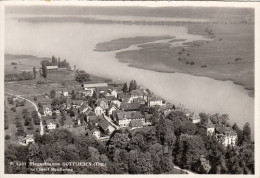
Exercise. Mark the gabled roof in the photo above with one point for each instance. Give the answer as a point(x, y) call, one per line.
point(129, 115)
point(136, 115)
point(91, 113)
point(139, 100)
point(113, 105)
point(123, 95)
point(95, 119)
point(51, 67)
point(130, 106)
point(104, 124)
point(102, 99)
point(137, 92)
point(94, 85)
point(155, 98)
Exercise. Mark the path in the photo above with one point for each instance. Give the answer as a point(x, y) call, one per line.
point(36, 108)
point(184, 170)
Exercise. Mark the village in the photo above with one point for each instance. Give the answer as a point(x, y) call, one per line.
point(100, 108)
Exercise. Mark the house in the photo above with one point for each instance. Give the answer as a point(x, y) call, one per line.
point(227, 136)
point(102, 102)
point(110, 98)
point(124, 118)
point(76, 103)
point(195, 118)
point(95, 132)
point(116, 102)
point(94, 120)
point(106, 126)
point(138, 100)
point(91, 87)
point(111, 109)
point(130, 106)
point(155, 101)
point(52, 67)
point(26, 140)
point(123, 96)
point(99, 110)
point(139, 93)
point(83, 108)
point(51, 124)
point(114, 93)
point(47, 110)
point(68, 123)
point(136, 123)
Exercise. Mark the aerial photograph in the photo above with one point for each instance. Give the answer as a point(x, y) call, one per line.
point(120, 89)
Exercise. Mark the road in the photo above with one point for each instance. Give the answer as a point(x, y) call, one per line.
point(35, 106)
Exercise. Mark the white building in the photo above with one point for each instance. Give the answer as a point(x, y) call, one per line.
point(99, 111)
point(155, 101)
point(51, 126)
point(90, 88)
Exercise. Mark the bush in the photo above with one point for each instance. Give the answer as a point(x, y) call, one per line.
point(19, 77)
point(14, 63)
point(82, 76)
point(192, 63)
point(7, 137)
point(35, 99)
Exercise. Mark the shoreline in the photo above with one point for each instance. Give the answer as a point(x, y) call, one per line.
point(247, 88)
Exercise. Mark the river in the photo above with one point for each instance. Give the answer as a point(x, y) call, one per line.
point(76, 42)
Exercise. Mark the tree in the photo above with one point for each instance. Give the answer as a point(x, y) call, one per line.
point(117, 141)
point(35, 117)
point(27, 120)
point(52, 93)
point(132, 85)
point(125, 88)
point(82, 76)
point(239, 134)
point(30, 126)
point(20, 131)
point(54, 115)
point(189, 150)
point(44, 70)
point(247, 132)
point(54, 60)
point(34, 72)
point(44, 122)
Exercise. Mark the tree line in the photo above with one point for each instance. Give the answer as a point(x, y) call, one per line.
point(171, 140)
